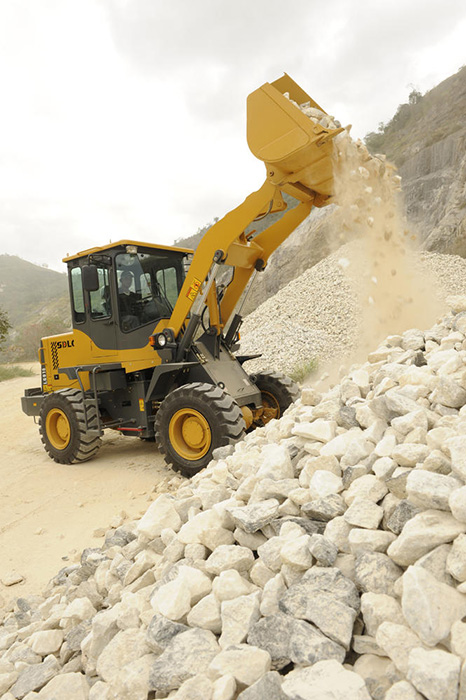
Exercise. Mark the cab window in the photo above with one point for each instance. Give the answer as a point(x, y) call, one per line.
point(77, 295)
point(99, 301)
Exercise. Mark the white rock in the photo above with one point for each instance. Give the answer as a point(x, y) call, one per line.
point(125, 647)
point(206, 614)
point(364, 513)
point(230, 584)
point(206, 528)
point(377, 608)
point(457, 504)
point(237, 617)
point(457, 448)
point(434, 673)
point(224, 688)
point(409, 454)
point(340, 443)
point(429, 606)
point(430, 490)
point(456, 561)
point(422, 533)
point(229, 557)
point(274, 462)
point(296, 553)
point(324, 483)
point(367, 486)
point(244, 662)
point(79, 609)
point(46, 642)
point(397, 641)
point(160, 515)
point(369, 540)
point(325, 679)
point(65, 685)
point(402, 690)
point(458, 639)
point(337, 531)
point(173, 600)
point(405, 424)
point(199, 687)
point(320, 430)
point(273, 591)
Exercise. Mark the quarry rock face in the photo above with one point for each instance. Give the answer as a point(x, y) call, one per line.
point(343, 577)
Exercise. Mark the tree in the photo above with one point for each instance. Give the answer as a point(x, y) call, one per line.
point(5, 326)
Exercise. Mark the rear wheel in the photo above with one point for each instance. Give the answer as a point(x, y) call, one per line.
point(194, 420)
point(278, 392)
point(62, 427)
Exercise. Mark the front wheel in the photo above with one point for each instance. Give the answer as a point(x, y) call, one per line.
point(278, 392)
point(63, 430)
point(194, 420)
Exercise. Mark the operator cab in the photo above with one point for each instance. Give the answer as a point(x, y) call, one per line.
point(120, 292)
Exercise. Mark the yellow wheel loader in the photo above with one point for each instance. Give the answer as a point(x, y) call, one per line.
point(155, 328)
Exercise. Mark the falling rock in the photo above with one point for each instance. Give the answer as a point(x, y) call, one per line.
point(422, 533)
point(434, 673)
point(430, 490)
point(377, 608)
point(237, 616)
point(253, 517)
point(269, 686)
point(160, 515)
point(185, 656)
point(376, 572)
point(245, 662)
point(287, 639)
point(364, 513)
point(326, 598)
point(457, 448)
point(325, 679)
point(35, 677)
point(46, 642)
point(397, 641)
point(430, 607)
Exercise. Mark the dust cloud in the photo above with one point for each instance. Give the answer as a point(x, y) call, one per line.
point(393, 294)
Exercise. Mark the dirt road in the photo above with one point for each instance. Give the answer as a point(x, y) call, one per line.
point(49, 511)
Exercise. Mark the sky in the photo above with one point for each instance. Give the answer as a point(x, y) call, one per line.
point(127, 118)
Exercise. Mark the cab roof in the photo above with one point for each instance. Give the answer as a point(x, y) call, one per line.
point(119, 244)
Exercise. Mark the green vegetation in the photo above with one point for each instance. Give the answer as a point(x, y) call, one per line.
point(12, 371)
point(303, 369)
point(5, 326)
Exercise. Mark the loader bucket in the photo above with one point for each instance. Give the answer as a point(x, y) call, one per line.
point(296, 151)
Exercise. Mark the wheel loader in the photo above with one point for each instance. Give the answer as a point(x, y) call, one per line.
point(154, 348)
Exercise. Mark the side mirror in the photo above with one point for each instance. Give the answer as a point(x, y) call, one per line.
point(90, 278)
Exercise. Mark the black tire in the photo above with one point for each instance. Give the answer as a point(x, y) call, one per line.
point(278, 393)
point(62, 427)
point(217, 421)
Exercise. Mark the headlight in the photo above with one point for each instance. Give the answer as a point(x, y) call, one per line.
point(161, 340)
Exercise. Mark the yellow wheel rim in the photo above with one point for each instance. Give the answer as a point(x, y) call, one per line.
point(190, 434)
point(270, 406)
point(58, 428)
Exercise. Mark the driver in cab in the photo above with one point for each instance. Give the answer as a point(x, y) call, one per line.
point(128, 301)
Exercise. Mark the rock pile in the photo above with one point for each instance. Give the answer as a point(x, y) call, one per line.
point(322, 557)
